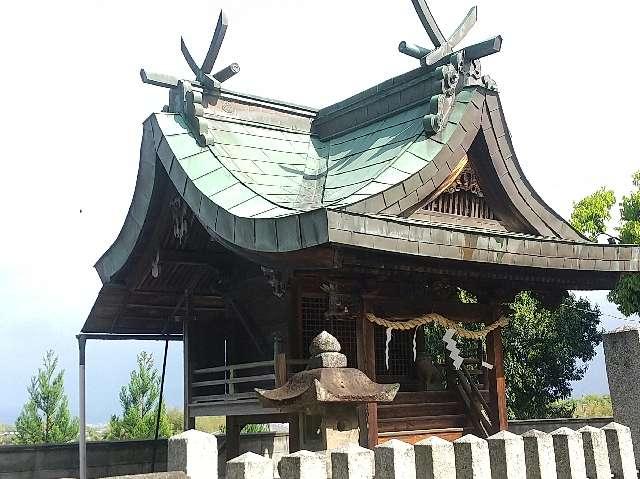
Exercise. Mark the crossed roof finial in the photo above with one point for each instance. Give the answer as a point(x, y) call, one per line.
point(444, 46)
point(202, 73)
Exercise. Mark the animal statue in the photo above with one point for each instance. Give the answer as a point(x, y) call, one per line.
point(428, 374)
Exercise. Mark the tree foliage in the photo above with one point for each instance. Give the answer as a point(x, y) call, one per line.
point(139, 401)
point(590, 215)
point(45, 418)
point(544, 351)
point(591, 405)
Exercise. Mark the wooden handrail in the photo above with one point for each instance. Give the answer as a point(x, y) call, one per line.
point(279, 376)
point(220, 369)
point(234, 380)
point(475, 402)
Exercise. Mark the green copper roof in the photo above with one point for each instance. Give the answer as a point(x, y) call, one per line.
point(260, 171)
point(270, 187)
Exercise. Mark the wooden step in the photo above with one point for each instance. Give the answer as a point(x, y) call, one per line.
point(416, 409)
point(414, 423)
point(422, 397)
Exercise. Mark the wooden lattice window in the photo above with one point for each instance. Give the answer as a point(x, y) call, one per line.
point(463, 197)
point(315, 319)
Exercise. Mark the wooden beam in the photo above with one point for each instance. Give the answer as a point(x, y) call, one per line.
point(459, 312)
point(171, 308)
point(294, 433)
point(368, 414)
point(280, 367)
point(188, 258)
point(232, 434)
point(189, 421)
point(497, 384)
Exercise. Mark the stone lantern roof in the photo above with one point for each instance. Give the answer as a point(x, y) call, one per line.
point(326, 381)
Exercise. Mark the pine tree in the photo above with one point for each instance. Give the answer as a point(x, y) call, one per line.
point(139, 401)
point(45, 418)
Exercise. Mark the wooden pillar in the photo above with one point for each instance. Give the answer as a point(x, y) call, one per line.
point(497, 385)
point(189, 422)
point(294, 433)
point(367, 414)
point(232, 434)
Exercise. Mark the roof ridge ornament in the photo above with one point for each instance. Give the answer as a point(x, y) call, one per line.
point(188, 97)
point(211, 82)
point(458, 69)
point(203, 75)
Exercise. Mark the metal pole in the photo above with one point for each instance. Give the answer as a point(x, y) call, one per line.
point(164, 370)
point(82, 341)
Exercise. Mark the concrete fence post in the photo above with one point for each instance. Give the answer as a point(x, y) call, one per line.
point(395, 459)
point(472, 458)
point(620, 449)
point(194, 453)
point(352, 462)
point(250, 466)
point(622, 358)
point(302, 465)
point(506, 455)
point(435, 459)
point(539, 457)
point(567, 445)
point(596, 457)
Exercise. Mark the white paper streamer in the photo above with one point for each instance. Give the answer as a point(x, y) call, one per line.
point(415, 332)
point(155, 265)
point(452, 346)
point(386, 348)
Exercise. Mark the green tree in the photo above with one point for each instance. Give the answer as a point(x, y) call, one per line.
point(591, 215)
point(544, 351)
point(176, 419)
point(139, 401)
point(45, 418)
point(591, 405)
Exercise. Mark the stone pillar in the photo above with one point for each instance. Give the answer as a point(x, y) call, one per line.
point(195, 453)
point(622, 357)
point(539, 457)
point(352, 462)
point(250, 466)
point(596, 457)
point(472, 458)
point(302, 465)
point(506, 454)
point(395, 459)
point(435, 459)
point(567, 445)
point(620, 448)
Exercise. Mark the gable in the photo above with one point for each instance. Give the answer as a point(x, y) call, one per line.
point(460, 199)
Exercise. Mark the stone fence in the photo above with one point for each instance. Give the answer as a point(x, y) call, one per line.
point(589, 453)
point(112, 458)
point(107, 458)
point(520, 426)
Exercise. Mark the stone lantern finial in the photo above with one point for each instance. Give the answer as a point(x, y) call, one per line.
point(325, 352)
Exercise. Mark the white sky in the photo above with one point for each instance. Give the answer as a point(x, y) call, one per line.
point(73, 106)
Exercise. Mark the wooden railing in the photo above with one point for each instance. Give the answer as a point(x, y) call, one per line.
point(474, 402)
point(237, 381)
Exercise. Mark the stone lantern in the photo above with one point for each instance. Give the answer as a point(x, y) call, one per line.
point(326, 396)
